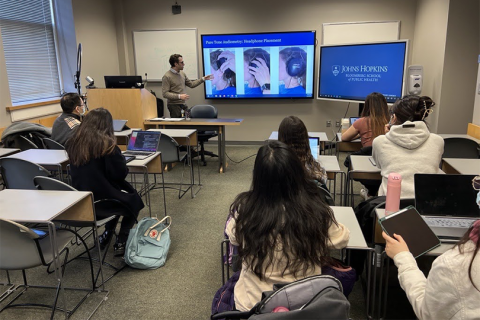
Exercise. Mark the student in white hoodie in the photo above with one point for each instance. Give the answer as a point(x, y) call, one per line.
point(408, 147)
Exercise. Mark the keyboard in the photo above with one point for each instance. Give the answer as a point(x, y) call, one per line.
point(449, 222)
point(138, 153)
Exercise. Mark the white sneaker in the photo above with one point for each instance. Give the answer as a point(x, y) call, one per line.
point(364, 193)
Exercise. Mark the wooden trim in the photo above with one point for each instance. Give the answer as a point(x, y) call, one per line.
point(473, 130)
point(33, 105)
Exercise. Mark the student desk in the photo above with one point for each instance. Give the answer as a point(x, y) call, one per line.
point(466, 136)
point(461, 166)
point(217, 124)
point(322, 137)
point(8, 151)
point(360, 168)
point(384, 262)
point(45, 157)
point(347, 146)
point(330, 163)
point(47, 207)
point(188, 138)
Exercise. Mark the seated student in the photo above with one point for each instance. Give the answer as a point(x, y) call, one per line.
point(368, 127)
point(73, 109)
point(281, 227)
point(293, 133)
point(97, 165)
point(452, 289)
point(408, 147)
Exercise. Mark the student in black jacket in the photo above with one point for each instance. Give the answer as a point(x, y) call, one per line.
point(97, 165)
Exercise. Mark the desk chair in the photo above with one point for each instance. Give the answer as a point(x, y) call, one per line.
point(52, 144)
point(204, 111)
point(19, 174)
point(21, 248)
point(326, 196)
point(461, 148)
point(106, 210)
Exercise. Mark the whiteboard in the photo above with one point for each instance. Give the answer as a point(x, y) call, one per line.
point(359, 32)
point(152, 49)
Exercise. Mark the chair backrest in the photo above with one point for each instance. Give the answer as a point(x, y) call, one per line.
point(25, 143)
point(19, 174)
point(326, 196)
point(47, 183)
point(169, 149)
point(52, 144)
point(18, 249)
point(203, 111)
point(460, 148)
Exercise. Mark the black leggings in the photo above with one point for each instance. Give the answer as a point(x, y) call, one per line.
point(128, 222)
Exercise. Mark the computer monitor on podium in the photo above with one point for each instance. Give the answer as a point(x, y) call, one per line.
point(121, 82)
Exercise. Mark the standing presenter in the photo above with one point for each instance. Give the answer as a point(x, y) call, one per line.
point(173, 86)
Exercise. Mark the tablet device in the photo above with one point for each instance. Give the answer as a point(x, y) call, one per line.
point(129, 158)
point(410, 225)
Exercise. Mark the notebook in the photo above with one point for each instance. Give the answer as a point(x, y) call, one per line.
point(142, 144)
point(447, 202)
point(314, 146)
point(409, 224)
point(353, 119)
point(119, 125)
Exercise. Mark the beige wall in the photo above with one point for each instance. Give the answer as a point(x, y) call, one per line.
point(208, 16)
point(429, 49)
point(460, 67)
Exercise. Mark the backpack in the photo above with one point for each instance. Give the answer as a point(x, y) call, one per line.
point(148, 244)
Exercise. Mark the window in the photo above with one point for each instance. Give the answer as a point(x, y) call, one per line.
point(28, 36)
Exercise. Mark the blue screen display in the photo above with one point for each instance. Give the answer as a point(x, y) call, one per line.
point(259, 65)
point(351, 72)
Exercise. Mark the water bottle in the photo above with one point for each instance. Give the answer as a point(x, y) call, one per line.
point(394, 187)
point(345, 124)
point(183, 113)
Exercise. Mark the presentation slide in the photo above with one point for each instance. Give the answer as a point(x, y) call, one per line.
point(260, 65)
point(351, 72)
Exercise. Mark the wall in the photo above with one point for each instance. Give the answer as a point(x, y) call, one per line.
point(5, 100)
point(208, 16)
point(460, 67)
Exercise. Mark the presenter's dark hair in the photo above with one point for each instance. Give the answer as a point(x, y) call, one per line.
point(93, 139)
point(174, 59)
point(376, 112)
point(412, 108)
point(70, 101)
point(283, 213)
point(293, 133)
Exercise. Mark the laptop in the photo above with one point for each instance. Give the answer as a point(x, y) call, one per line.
point(314, 146)
point(142, 144)
point(353, 119)
point(119, 125)
point(447, 202)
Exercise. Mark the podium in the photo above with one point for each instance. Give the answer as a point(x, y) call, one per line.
point(134, 105)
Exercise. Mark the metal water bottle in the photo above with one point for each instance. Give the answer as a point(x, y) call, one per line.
point(394, 187)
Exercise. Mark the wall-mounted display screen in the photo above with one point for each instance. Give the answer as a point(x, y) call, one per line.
point(351, 72)
point(259, 65)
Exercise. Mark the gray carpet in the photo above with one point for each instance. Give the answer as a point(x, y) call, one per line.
point(185, 286)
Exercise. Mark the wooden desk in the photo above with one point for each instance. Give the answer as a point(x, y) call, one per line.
point(465, 136)
point(202, 125)
point(360, 168)
point(461, 166)
point(45, 157)
point(330, 163)
point(347, 146)
point(8, 151)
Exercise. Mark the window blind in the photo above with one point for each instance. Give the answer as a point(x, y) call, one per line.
point(29, 46)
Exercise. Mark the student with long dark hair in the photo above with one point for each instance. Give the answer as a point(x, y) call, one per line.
point(293, 133)
point(282, 228)
point(97, 165)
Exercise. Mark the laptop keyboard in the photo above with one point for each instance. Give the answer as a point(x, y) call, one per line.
point(449, 223)
point(138, 153)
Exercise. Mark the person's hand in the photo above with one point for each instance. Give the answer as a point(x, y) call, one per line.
point(209, 77)
point(394, 247)
point(184, 96)
point(387, 128)
point(261, 72)
point(230, 63)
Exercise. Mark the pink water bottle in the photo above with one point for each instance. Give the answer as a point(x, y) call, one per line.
point(394, 186)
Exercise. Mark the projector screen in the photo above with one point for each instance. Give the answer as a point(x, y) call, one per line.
point(259, 65)
point(351, 72)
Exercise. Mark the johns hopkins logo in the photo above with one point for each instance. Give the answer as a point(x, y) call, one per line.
point(336, 70)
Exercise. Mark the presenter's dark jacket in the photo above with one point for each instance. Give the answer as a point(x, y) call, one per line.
point(105, 178)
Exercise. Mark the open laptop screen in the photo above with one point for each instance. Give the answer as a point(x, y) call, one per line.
point(118, 125)
point(353, 119)
point(314, 146)
point(446, 195)
point(144, 141)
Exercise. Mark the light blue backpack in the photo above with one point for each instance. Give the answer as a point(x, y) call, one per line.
point(148, 243)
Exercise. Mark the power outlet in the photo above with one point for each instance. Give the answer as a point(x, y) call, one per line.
point(337, 124)
point(329, 123)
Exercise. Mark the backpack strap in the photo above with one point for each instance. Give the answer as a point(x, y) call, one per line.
point(156, 224)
